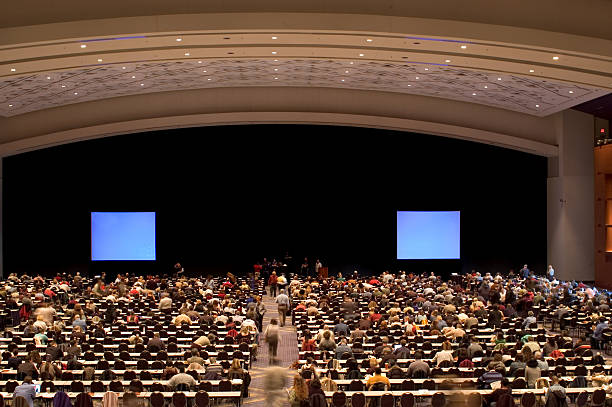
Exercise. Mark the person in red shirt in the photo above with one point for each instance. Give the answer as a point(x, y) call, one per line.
point(273, 282)
point(375, 316)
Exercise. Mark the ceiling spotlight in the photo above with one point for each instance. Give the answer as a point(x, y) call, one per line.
point(275, 77)
point(361, 55)
point(142, 84)
point(571, 91)
point(179, 39)
point(351, 63)
point(499, 79)
point(369, 40)
point(48, 77)
point(555, 58)
point(63, 86)
point(10, 105)
point(99, 59)
point(537, 105)
point(346, 71)
point(275, 38)
point(473, 94)
point(83, 46)
point(418, 77)
point(199, 62)
point(427, 69)
point(210, 79)
point(123, 67)
point(273, 52)
point(341, 80)
point(187, 54)
point(276, 60)
point(204, 71)
point(531, 71)
point(409, 85)
point(76, 93)
point(463, 46)
point(447, 61)
point(486, 87)
point(133, 76)
point(13, 69)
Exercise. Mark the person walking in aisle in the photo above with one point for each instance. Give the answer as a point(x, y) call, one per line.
point(271, 335)
point(273, 282)
point(283, 306)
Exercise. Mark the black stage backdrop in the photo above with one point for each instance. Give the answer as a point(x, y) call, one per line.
point(228, 196)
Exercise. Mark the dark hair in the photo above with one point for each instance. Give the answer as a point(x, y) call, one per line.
point(316, 383)
point(532, 363)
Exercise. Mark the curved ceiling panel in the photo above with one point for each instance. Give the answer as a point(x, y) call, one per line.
point(531, 95)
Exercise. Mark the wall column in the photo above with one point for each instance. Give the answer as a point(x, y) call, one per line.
point(1, 220)
point(570, 198)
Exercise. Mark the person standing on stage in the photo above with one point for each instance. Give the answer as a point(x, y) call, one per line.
point(304, 267)
point(318, 266)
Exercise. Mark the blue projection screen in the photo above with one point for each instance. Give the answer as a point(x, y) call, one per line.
point(428, 235)
point(122, 236)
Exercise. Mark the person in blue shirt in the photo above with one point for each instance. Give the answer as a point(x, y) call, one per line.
point(529, 320)
point(525, 272)
point(27, 390)
point(597, 336)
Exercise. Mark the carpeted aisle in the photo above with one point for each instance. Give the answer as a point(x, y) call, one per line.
point(287, 354)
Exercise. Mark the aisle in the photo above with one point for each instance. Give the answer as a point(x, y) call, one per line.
point(287, 354)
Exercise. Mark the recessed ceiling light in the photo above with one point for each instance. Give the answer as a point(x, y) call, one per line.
point(210, 79)
point(275, 38)
point(133, 76)
point(99, 59)
point(556, 58)
point(486, 87)
point(418, 77)
point(531, 70)
point(276, 60)
point(473, 94)
point(447, 61)
point(571, 91)
point(275, 77)
point(275, 69)
point(361, 55)
point(63, 86)
point(346, 71)
point(351, 63)
point(273, 52)
point(537, 105)
point(199, 62)
point(10, 105)
point(499, 79)
point(427, 69)
point(48, 77)
point(463, 46)
point(187, 54)
point(142, 84)
point(205, 71)
point(179, 39)
point(13, 69)
point(409, 85)
point(369, 40)
point(341, 80)
point(123, 67)
point(83, 46)
point(76, 93)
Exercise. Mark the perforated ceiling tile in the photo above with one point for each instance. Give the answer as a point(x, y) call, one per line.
point(522, 94)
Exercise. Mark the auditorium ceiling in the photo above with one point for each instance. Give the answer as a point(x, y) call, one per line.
point(72, 70)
